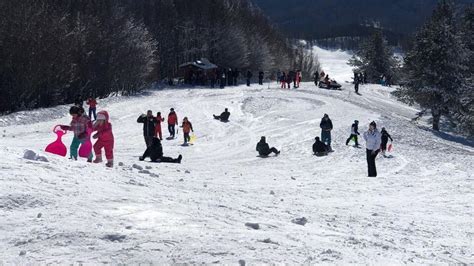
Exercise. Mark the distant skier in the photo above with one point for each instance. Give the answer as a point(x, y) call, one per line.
point(249, 77)
point(172, 123)
point(105, 139)
point(149, 122)
point(356, 85)
point(326, 128)
point(80, 124)
point(92, 102)
point(187, 128)
point(385, 137)
point(373, 140)
point(354, 134)
point(298, 78)
point(235, 76)
point(319, 148)
point(155, 152)
point(222, 79)
point(159, 120)
point(260, 77)
point(289, 80)
point(224, 117)
point(316, 78)
point(264, 149)
point(283, 80)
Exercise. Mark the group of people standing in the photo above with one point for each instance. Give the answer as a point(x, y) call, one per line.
point(82, 127)
point(286, 78)
point(376, 141)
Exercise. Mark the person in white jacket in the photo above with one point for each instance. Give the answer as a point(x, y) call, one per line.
point(373, 139)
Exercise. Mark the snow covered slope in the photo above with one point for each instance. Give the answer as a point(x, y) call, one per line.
point(418, 210)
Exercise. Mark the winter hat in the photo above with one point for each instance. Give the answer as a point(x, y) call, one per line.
point(373, 124)
point(74, 110)
point(101, 116)
point(317, 138)
point(263, 138)
point(326, 115)
point(172, 109)
point(356, 121)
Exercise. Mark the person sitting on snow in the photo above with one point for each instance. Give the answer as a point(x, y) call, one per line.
point(224, 117)
point(319, 148)
point(155, 152)
point(264, 149)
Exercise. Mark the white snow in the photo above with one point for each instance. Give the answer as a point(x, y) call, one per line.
point(335, 64)
point(418, 210)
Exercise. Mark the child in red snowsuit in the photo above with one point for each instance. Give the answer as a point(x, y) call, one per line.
point(159, 119)
point(105, 139)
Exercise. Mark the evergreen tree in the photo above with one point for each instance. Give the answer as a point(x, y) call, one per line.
point(435, 65)
point(464, 111)
point(375, 58)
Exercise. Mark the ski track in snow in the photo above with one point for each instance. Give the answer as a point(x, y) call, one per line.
point(419, 209)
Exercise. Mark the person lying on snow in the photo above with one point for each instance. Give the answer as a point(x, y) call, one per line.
point(264, 149)
point(155, 153)
point(319, 148)
point(105, 139)
point(79, 125)
point(224, 117)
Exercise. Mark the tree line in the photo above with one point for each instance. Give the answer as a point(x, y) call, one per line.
point(437, 71)
point(54, 51)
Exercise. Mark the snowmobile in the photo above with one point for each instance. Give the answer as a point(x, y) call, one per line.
point(333, 85)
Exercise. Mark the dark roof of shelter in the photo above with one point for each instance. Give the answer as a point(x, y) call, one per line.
point(204, 64)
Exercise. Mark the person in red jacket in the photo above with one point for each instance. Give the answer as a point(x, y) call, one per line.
point(105, 139)
point(159, 119)
point(92, 107)
point(187, 128)
point(172, 123)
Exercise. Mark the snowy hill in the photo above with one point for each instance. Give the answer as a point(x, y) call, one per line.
point(419, 209)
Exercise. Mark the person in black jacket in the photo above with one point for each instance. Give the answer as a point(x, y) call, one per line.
point(265, 150)
point(155, 152)
point(319, 148)
point(385, 137)
point(149, 122)
point(354, 134)
point(249, 77)
point(224, 117)
point(326, 128)
point(260, 77)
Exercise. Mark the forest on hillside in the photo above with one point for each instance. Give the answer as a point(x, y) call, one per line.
point(56, 50)
point(343, 23)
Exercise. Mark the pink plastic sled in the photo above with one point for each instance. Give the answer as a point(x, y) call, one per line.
point(390, 147)
point(58, 147)
point(86, 147)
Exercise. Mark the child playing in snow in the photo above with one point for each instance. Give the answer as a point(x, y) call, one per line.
point(158, 132)
point(80, 125)
point(187, 128)
point(105, 139)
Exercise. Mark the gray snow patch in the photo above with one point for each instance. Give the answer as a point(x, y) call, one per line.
point(300, 221)
point(114, 237)
point(268, 241)
point(32, 156)
point(136, 166)
point(241, 262)
point(120, 164)
point(22, 253)
point(148, 167)
point(255, 226)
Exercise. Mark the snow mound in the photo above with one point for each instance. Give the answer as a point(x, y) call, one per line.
point(32, 156)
